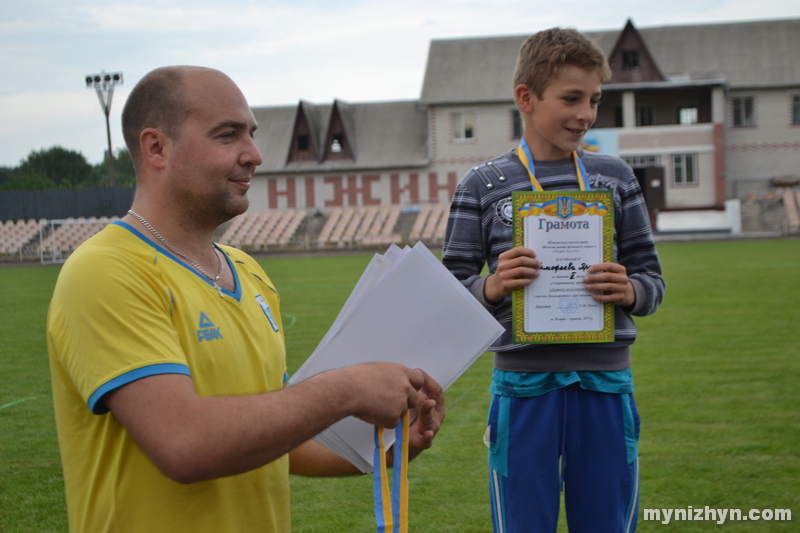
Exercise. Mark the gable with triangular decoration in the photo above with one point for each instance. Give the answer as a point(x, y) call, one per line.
point(631, 60)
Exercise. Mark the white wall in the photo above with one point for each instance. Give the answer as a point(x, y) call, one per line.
point(772, 147)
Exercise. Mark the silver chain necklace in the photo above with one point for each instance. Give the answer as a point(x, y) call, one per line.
point(212, 279)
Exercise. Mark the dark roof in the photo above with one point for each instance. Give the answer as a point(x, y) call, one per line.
point(746, 54)
point(661, 85)
point(386, 134)
point(315, 123)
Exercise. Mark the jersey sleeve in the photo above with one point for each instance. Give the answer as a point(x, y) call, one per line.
point(110, 323)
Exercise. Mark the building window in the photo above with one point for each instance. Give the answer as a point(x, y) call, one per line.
point(337, 142)
point(630, 60)
point(687, 116)
point(683, 169)
point(641, 161)
point(302, 143)
point(516, 124)
point(463, 125)
point(796, 110)
point(645, 115)
point(743, 115)
point(618, 117)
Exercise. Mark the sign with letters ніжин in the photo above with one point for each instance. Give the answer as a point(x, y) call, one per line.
point(569, 231)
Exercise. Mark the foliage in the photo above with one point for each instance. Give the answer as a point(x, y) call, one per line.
point(65, 168)
point(124, 173)
point(27, 182)
point(715, 369)
point(61, 168)
point(6, 173)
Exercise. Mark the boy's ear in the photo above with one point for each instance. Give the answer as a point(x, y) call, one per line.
point(524, 97)
point(153, 144)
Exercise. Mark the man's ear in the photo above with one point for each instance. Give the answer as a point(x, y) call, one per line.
point(153, 144)
point(524, 97)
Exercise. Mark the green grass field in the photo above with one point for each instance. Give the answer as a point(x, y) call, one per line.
point(716, 371)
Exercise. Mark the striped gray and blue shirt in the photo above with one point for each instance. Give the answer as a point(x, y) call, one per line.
point(479, 230)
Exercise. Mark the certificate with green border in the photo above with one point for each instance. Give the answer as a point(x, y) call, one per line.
point(569, 231)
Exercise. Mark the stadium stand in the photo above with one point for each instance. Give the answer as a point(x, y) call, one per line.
point(15, 235)
point(430, 224)
point(380, 230)
point(350, 226)
point(258, 231)
point(64, 236)
point(252, 231)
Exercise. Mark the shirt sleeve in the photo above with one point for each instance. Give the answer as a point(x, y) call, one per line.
point(463, 250)
point(636, 249)
point(110, 323)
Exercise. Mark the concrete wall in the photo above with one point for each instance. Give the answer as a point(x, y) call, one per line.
point(769, 149)
point(665, 141)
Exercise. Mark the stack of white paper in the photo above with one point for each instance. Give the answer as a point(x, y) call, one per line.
point(407, 308)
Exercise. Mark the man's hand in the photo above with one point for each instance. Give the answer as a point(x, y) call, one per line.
point(516, 267)
point(381, 393)
point(312, 459)
point(609, 283)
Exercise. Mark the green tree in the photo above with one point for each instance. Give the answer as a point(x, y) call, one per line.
point(124, 173)
point(6, 174)
point(27, 182)
point(64, 168)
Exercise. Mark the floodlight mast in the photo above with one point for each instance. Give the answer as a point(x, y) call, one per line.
point(104, 84)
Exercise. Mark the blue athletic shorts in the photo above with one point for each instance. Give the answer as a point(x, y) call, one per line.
point(580, 440)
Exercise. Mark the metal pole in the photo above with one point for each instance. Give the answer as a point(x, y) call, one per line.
point(104, 85)
point(111, 180)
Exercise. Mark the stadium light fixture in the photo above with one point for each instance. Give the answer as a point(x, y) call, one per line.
point(104, 84)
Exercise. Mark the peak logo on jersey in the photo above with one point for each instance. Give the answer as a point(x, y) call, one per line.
point(207, 331)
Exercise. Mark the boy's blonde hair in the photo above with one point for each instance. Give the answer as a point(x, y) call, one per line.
point(543, 54)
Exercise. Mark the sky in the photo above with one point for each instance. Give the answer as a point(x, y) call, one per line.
point(278, 52)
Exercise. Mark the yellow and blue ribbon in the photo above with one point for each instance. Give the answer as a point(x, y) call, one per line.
point(391, 508)
point(526, 157)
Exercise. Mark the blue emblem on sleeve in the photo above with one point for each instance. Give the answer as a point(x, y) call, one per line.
point(267, 311)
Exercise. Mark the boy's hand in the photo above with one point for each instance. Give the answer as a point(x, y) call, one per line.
point(431, 414)
point(516, 267)
point(608, 283)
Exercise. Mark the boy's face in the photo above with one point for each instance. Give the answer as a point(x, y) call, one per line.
point(556, 123)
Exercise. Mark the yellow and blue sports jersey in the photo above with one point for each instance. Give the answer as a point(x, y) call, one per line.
point(125, 308)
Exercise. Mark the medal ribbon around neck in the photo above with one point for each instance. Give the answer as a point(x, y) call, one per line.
point(526, 157)
point(391, 508)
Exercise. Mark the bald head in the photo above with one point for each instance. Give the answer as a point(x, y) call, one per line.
point(161, 100)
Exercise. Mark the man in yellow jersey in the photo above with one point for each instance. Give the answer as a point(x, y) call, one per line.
point(166, 350)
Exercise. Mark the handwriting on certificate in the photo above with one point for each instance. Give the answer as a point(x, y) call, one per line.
point(569, 231)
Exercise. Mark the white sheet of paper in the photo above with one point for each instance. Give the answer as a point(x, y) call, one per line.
point(557, 301)
point(407, 308)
